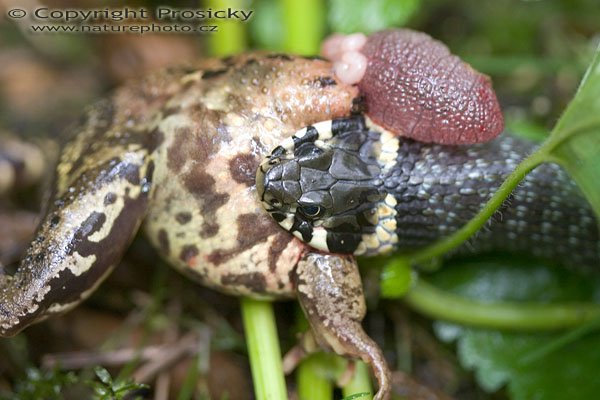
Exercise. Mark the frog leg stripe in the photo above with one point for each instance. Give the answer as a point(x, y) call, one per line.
point(81, 238)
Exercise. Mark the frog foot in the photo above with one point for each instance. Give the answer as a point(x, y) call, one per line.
point(330, 293)
point(307, 345)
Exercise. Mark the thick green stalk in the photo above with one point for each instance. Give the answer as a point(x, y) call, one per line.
point(521, 316)
point(360, 383)
point(313, 383)
point(263, 349)
point(230, 37)
point(316, 374)
point(304, 24)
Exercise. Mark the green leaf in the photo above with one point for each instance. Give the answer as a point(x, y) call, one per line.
point(565, 369)
point(497, 359)
point(493, 278)
point(102, 391)
point(575, 140)
point(349, 16)
point(103, 375)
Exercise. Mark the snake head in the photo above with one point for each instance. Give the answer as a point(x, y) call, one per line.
point(324, 184)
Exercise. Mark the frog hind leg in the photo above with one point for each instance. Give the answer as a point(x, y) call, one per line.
point(101, 193)
point(330, 292)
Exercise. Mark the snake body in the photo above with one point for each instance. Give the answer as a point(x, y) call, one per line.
point(350, 186)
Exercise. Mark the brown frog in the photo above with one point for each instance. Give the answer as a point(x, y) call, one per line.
point(178, 152)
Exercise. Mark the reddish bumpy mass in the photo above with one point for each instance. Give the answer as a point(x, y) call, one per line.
point(415, 87)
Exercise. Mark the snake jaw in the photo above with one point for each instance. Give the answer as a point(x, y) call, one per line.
point(318, 239)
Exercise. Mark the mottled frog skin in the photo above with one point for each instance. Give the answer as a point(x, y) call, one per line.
point(178, 152)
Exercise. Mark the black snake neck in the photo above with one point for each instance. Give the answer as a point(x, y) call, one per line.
point(440, 188)
point(372, 193)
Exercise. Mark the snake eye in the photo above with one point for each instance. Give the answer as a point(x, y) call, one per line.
point(275, 202)
point(310, 210)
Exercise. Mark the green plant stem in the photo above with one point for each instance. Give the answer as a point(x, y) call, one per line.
point(313, 384)
point(304, 24)
point(316, 373)
point(444, 305)
point(230, 37)
point(263, 349)
point(360, 383)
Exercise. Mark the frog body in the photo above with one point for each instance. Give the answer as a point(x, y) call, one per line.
point(178, 153)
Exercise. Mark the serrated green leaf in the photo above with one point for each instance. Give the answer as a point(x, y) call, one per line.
point(497, 359)
point(495, 277)
point(566, 371)
point(349, 16)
